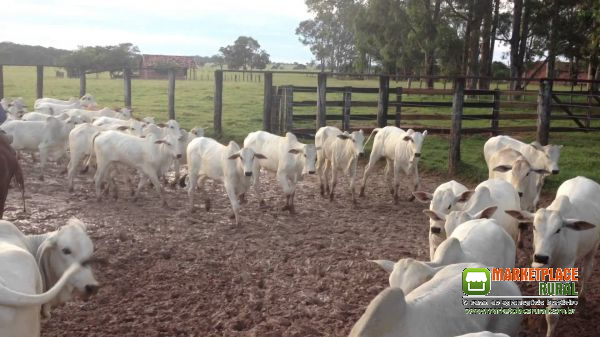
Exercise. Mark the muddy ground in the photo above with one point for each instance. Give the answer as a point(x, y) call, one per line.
point(169, 274)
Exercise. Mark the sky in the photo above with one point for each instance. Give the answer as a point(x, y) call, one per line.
point(172, 27)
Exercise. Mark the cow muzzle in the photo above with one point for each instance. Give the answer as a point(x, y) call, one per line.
point(418, 155)
point(361, 154)
point(179, 156)
point(543, 259)
point(436, 230)
point(555, 171)
point(311, 172)
point(520, 194)
point(248, 174)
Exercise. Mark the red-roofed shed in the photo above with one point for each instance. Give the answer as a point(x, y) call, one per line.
point(150, 63)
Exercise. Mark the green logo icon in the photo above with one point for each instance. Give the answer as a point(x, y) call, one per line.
point(476, 281)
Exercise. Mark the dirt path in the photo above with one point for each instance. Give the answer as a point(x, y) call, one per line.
point(167, 274)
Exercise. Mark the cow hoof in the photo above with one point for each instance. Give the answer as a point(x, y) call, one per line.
point(331, 197)
point(207, 205)
point(231, 216)
point(322, 190)
point(41, 178)
point(71, 189)
point(262, 204)
point(362, 192)
point(411, 198)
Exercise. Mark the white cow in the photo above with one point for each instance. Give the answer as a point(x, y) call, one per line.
point(39, 271)
point(338, 151)
point(41, 117)
point(434, 309)
point(566, 231)
point(540, 157)
point(56, 109)
point(401, 150)
point(186, 138)
point(229, 164)
point(86, 100)
point(479, 241)
point(286, 157)
point(149, 156)
point(136, 127)
point(91, 115)
point(48, 137)
point(510, 165)
point(444, 199)
point(489, 200)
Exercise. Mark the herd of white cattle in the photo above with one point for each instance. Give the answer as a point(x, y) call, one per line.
point(467, 228)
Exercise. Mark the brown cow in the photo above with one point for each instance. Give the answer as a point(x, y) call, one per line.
point(9, 167)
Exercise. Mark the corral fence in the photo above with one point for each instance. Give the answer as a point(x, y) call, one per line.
point(454, 111)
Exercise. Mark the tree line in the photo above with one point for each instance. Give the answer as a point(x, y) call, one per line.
point(452, 37)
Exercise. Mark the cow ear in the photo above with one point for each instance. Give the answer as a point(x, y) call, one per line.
point(465, 196)
point(386, 265)
point(77, 222)
point(522, 216)
point(502, 168)
point(123, 128)
point(424, 133)
point(260, 156)
point(294, 151)
point(234, 156)
point(541, 171)
point(343, 136)
point(433, 215)
point(486, 213)
point(160, 141)
point(407, 138)
point(578, 225)
point(423, 196)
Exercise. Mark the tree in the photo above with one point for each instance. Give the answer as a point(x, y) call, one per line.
point(99, 59)
point(244, 53)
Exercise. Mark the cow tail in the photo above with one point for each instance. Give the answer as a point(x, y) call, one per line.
point(371, 135)
point(88, 161)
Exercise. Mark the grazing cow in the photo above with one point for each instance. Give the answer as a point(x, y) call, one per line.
point(49, 137)
point(229, 164)
point(339, 151)
point(489, 200)
point(444, 199)
point(510, 165)
point(149, 156)
point(566, 231)
point(40, 271)
point(286, 157)
point(434, 309)
point(9, 168)
point(478, 241)
point(401, 150)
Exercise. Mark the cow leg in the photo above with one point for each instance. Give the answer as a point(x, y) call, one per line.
point(176, 167)
point(334, 173)
point(43, 160)
point(287, 190)
point(151, 174)
point(193, 176)
point(588, 268)
point(353, 180)
point(99, 178)
point(201, 187)
point(71, 166)
point(256, 183)
point(368, 169)
point(321, 170)
point(234, 202)
point(416, 182)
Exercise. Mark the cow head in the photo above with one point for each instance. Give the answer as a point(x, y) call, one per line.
point(549, 230)
point(415, 143)
point(357, 138)
point(409, 274)
point(246, 156)
point(309, 153)
point(549, 154)
point(88, 101)
point(68, 245)
point(523, 178)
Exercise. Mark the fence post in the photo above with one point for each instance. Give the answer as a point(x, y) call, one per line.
point(40, 81)
point(398, 106)
point(289, 108)
point(346, 109)
point(218, 99)
point(496, 113)
point(383, 102)
point(267, 101)
point(321, 100)
point(281, 94)
point(275, 96)
point(1, 81)
point(82, 83)
point(457, 111)
point(171, 93)
point(127, 87)
point(544, 107)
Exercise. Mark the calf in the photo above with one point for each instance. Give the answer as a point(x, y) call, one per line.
point(229, 164)
point(149, 156)
point(338, 151)
point(286, 157)
point(39, 271)
point(479, 241)
point(9, 168)
point(445, 198)
point(401, 150)
point(566, 231)
point(432, 309)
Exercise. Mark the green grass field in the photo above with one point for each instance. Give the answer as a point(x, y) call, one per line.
point(242, 113)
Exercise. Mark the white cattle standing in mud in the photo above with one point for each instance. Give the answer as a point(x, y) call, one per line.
point(510, 165)
point(338, 151)
point(208, 159)
point(149, 156)
point(39, 271)
point(566, 231)
point(489, 200)
point(432, 309)
point(286, 157)
point(401, 150)
point(445, 198)
point(476, 241)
